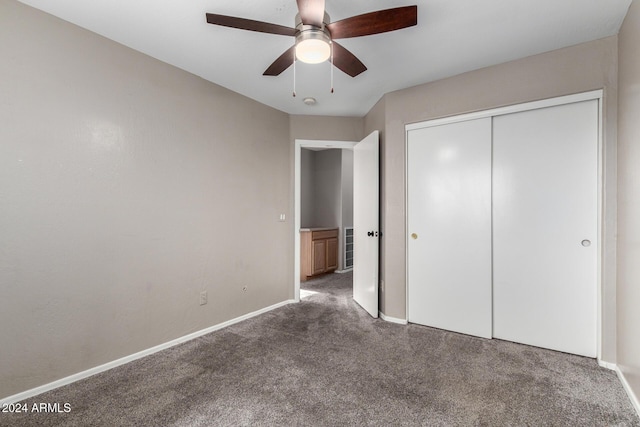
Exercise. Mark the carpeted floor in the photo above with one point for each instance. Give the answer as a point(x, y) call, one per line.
point(325, 362)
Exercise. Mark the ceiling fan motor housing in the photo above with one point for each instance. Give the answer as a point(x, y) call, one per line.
point(325, 21)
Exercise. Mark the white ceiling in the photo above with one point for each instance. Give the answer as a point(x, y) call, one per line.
point(452, 37)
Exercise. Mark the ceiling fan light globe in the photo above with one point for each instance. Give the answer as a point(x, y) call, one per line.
point(313, 51)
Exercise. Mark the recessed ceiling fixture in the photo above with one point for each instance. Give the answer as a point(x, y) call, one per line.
point(315, 35)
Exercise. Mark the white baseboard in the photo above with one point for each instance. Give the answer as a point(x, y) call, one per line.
point(608, 365)
point(110, 365)
point(634, 399)
point(625, 384)
point(392, 319)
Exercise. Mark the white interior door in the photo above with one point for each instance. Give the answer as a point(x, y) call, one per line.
point(545, 227)
point(366, 223)
point(449, 225)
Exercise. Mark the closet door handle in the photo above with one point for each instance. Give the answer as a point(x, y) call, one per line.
point(586, 243)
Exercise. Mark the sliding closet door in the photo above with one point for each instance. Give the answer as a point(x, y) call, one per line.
point(545, 241)
point(449, 226)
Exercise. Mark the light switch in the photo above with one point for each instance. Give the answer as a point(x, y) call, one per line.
point(282, 217)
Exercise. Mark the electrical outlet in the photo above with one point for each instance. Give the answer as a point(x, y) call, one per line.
point(203, 297)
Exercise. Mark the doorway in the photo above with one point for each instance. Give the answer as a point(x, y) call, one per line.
point(312, 145)
point(365, 216)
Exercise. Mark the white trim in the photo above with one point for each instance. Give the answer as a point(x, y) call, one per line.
point(527, 106)
point(297, 159)
point(406, 223)
point(600, 229)
point(124, 360)
point(534, 105)
point(607, 365)
point(634, 399)
point(627, 388)
point(392, 319)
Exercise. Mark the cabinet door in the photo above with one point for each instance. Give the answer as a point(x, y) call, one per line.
point(319, 249)
point(332, 254)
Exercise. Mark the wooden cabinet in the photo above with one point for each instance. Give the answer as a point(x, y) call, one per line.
point(318, 251)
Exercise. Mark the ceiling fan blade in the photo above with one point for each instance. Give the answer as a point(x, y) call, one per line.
point(249, 24)
point(346, 61)
point(378, 22)
point(283, 62)
point(311, 12)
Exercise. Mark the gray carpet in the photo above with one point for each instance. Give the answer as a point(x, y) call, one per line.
point(326, 362)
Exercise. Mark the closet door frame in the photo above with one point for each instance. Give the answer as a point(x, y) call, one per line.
point(527, 106)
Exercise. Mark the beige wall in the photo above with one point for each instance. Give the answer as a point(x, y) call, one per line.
point(307, 182)
point(346, 171)
point(326, 128)
point(629, 200)
point(326, 191)
point(571, 70)
point(127, 186)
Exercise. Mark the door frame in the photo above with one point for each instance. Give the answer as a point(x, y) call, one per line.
point(297, 191)
point(527, 106)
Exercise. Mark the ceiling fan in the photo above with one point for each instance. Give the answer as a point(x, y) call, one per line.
point(315, 35)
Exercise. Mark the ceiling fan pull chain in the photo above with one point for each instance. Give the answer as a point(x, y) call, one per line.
point(331, 67)
point(294, 77)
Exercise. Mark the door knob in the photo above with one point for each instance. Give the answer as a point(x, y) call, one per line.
point(586, 243)
point(414, 236)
